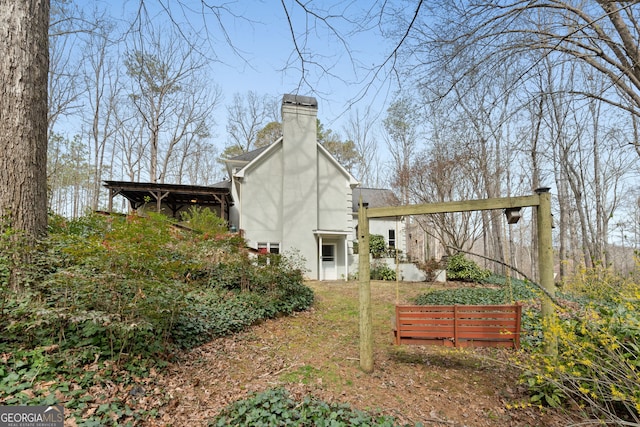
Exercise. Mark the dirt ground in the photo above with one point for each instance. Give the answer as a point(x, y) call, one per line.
point(316, 352)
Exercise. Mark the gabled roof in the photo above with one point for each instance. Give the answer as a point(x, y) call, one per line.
point(249, 155)
point(373, 197)
point(352, 181)
point(251, 158)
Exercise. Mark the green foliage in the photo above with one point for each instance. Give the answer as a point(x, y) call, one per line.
point(377, 246)
point(13, 248)
point(204, 220)
point(522, 291)
point(277, 408)
point(381, 271)
point(108, 293)
point(462, 269)
point(597, 365)
point(268, 134)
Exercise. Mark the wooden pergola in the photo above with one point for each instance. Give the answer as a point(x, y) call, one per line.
point(541, 201)
point(173, 196)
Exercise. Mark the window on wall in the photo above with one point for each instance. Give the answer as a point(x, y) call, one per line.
point(268, 248)
point(392, 238)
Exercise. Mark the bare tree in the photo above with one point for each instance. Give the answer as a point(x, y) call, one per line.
point(168, 94)
point(64, 86)
point(246, 116)
point(439, 175)
point(402, 132)
point(359, 129)
point(103, 87)
point(475, 36)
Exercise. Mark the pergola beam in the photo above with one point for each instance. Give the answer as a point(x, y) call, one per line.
point(456, 206)
point(542, 203)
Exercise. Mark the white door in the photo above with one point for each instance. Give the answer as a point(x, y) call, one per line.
point(329, 264)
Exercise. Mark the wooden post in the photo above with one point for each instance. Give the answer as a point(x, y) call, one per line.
point(545, 267)
point(364, 269)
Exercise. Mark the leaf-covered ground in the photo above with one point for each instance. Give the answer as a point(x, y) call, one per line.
point(316, 352)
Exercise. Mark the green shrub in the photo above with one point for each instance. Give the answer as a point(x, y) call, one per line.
point(377, 245)
point(521, 291)
point(598, 343)
point(277, 408)
point(137, 286)
point(106, 297)
point(381, 271)
point(204, 220)
point(462, 269)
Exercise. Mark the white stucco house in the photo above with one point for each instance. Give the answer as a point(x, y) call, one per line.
point(393, 229)
point(291, 195)
point(294, 195)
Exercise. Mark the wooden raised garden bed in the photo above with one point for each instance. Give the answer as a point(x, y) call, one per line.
point(458, 325)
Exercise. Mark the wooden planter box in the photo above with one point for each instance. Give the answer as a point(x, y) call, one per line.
point(458, 325)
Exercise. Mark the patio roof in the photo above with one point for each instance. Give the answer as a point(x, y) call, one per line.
point(174, 196)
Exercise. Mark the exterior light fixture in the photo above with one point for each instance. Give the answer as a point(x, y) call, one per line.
point(513, 215)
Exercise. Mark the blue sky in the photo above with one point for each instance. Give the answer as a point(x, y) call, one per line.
point(265, 61)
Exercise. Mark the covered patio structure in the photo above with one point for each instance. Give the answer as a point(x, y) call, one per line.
point(173, 198)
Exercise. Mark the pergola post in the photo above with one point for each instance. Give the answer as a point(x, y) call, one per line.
point(541, 200)
point(366, 318)
point(545, 267)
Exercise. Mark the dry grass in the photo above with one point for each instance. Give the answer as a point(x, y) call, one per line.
point(316, 352)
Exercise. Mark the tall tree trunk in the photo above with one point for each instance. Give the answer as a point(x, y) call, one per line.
point(24, 54)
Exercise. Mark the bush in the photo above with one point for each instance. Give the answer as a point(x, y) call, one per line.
point(138, 286)
point(381, 271)
point(598, 345)
point(462, 269)
point(204, 220)
point(520, 290)
point(429, 267)
point(277, 408)
point(377, 245)
point(105, 298)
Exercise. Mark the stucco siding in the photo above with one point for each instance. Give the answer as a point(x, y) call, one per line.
point(382, 226)
point(262, 200)
point(333, 196)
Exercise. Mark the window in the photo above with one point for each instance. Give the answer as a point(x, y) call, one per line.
point(268, 248)
point(392, 238)
point(266, 252)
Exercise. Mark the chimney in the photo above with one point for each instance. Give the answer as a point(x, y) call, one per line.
point(300, 171)
point(299, 116)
